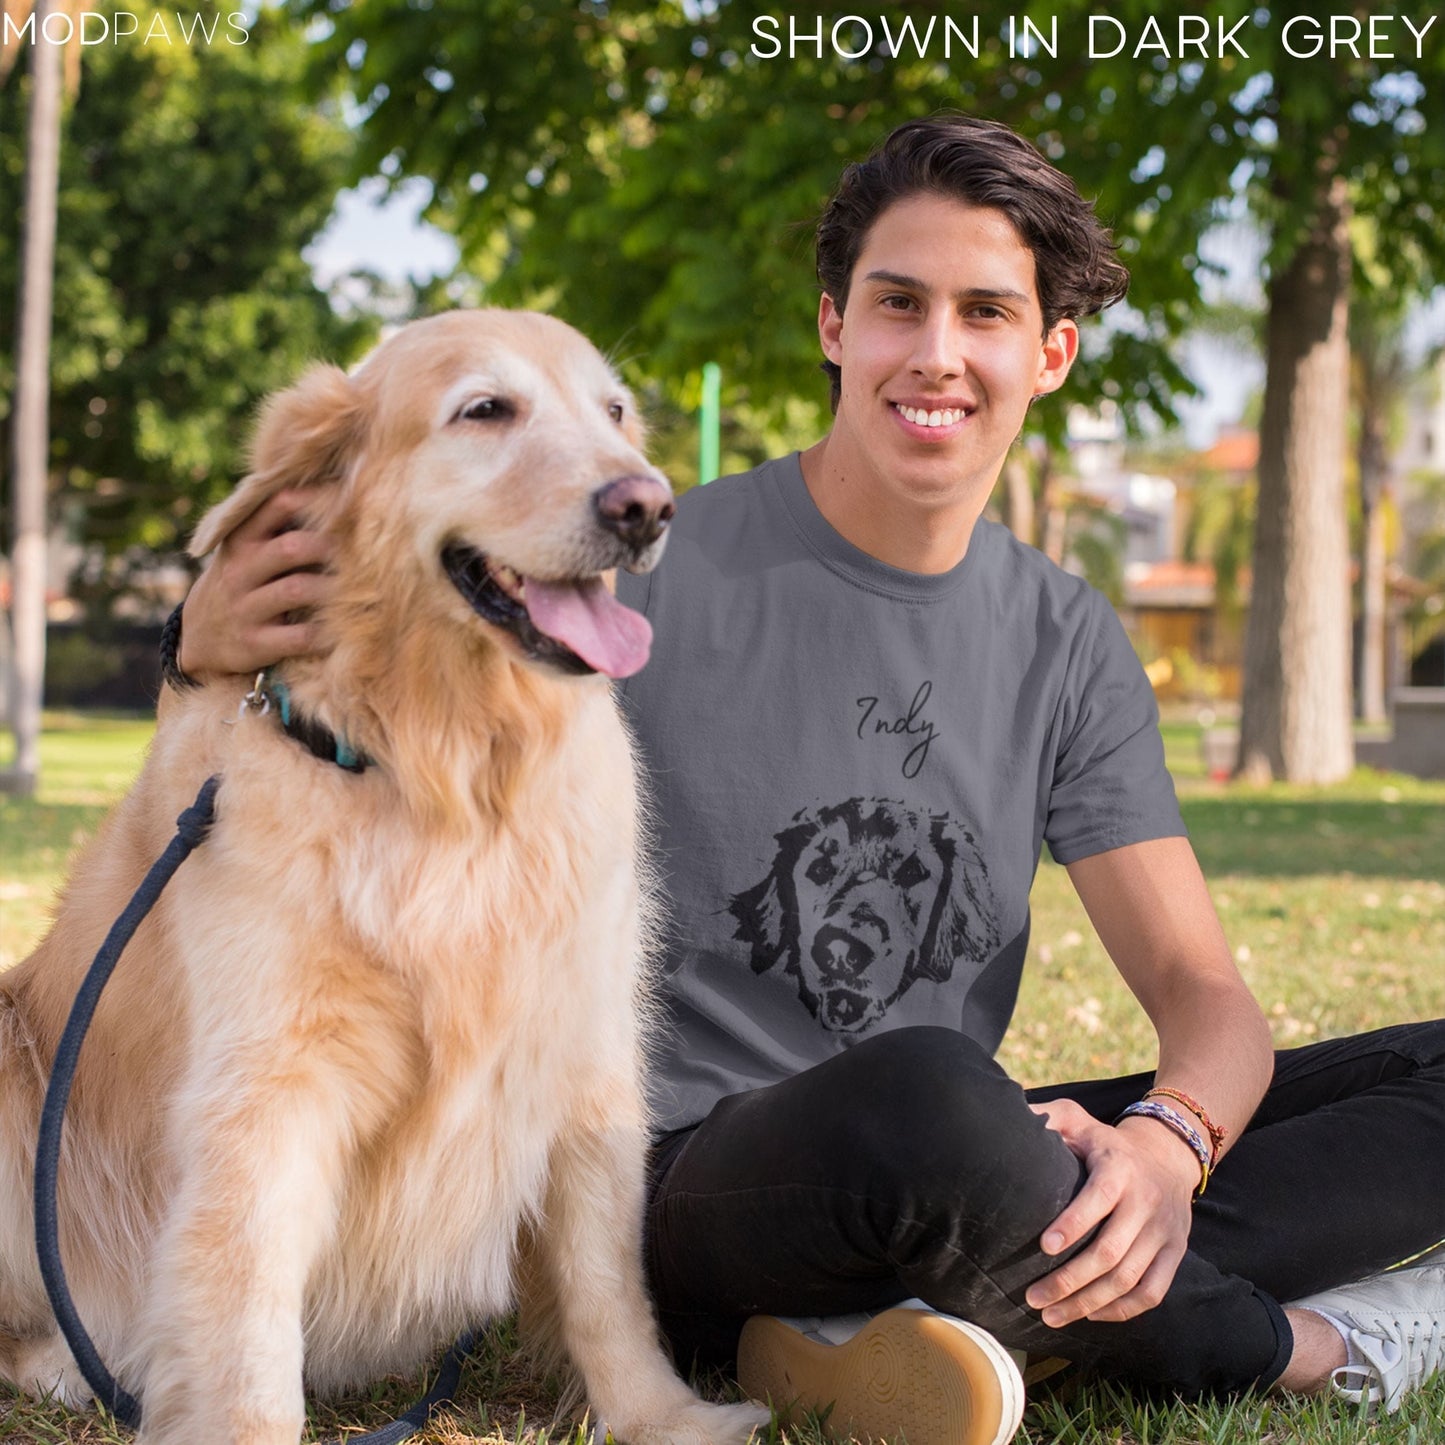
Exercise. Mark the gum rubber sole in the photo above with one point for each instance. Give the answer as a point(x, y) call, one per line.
point(907, 1374)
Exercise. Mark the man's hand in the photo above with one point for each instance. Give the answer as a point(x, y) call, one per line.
point(251, 606)
point(1152, 912)
point(1141, 1181)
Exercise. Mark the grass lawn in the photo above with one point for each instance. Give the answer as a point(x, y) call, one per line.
point(86, 764)
point(1334, 900)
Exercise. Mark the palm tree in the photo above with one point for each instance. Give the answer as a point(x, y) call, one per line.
point(32, 393)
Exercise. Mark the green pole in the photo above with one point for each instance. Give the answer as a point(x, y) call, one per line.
point(709, 423)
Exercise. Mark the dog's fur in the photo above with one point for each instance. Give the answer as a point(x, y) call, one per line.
point(373, 1063)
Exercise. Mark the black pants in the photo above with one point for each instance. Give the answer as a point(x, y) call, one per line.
point(911, 1165)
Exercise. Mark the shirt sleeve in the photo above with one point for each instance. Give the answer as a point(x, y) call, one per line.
point(1110, 786)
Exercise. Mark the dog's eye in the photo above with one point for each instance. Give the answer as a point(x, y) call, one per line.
point(821, 871)
point(487, 408)
point(616, 411)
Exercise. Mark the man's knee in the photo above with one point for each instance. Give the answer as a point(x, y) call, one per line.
point(916, 1123)
point(932, 1119)
point(925, 1095)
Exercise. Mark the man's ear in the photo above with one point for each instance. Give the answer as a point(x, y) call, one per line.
point(305, 438)
point(1056, 356)
point(830, 328)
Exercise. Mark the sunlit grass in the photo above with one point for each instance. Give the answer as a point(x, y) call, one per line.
point(86, 763)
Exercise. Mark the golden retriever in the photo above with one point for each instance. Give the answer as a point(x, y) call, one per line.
point(372, 1067)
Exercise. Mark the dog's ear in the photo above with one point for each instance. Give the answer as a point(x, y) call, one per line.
point(767, 913)
point(304, 438)
point(962, 923)
point(762, 922)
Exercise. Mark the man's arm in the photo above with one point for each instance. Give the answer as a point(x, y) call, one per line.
point(1153, 913)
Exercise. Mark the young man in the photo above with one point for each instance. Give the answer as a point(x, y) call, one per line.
point(867, 709)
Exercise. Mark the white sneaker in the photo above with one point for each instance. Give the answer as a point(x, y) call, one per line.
point(1394, 1328)
point(907, 1372)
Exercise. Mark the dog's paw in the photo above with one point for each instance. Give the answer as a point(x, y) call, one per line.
point(45, 1369)
point(699, 1423)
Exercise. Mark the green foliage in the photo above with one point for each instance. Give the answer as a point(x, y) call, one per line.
point(76, 659)
point(633, 166)
point(192, 177)
point(1219, 530)
point(1197, 681)
point(1096, 539)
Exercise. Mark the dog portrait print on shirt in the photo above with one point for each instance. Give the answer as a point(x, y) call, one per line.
point(864, 898)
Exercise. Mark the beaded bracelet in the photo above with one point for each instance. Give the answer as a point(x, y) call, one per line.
point(171, 653)
point(1217, 1135)
point(1177, 1124)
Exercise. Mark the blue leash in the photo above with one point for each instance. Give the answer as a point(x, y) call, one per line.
point(191, 829)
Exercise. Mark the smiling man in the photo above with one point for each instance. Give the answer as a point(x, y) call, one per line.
point(946, 347)
point(867, 710)
point(850, 909)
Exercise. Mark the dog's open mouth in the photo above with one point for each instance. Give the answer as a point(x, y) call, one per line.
point(577, 625)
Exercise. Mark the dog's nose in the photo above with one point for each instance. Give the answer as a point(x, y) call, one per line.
point(637, 509)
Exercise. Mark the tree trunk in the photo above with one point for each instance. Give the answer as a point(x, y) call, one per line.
point(1050, 517)
point(1018, 497)
point(32, 404)
point(1295, 722)
point(1373, 486)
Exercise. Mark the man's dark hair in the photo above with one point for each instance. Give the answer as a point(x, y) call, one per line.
point(985, 164)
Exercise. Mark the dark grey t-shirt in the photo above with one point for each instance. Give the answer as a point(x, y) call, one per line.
point(854, 769)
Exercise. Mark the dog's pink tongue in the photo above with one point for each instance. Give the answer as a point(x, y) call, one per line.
point(586, 617)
